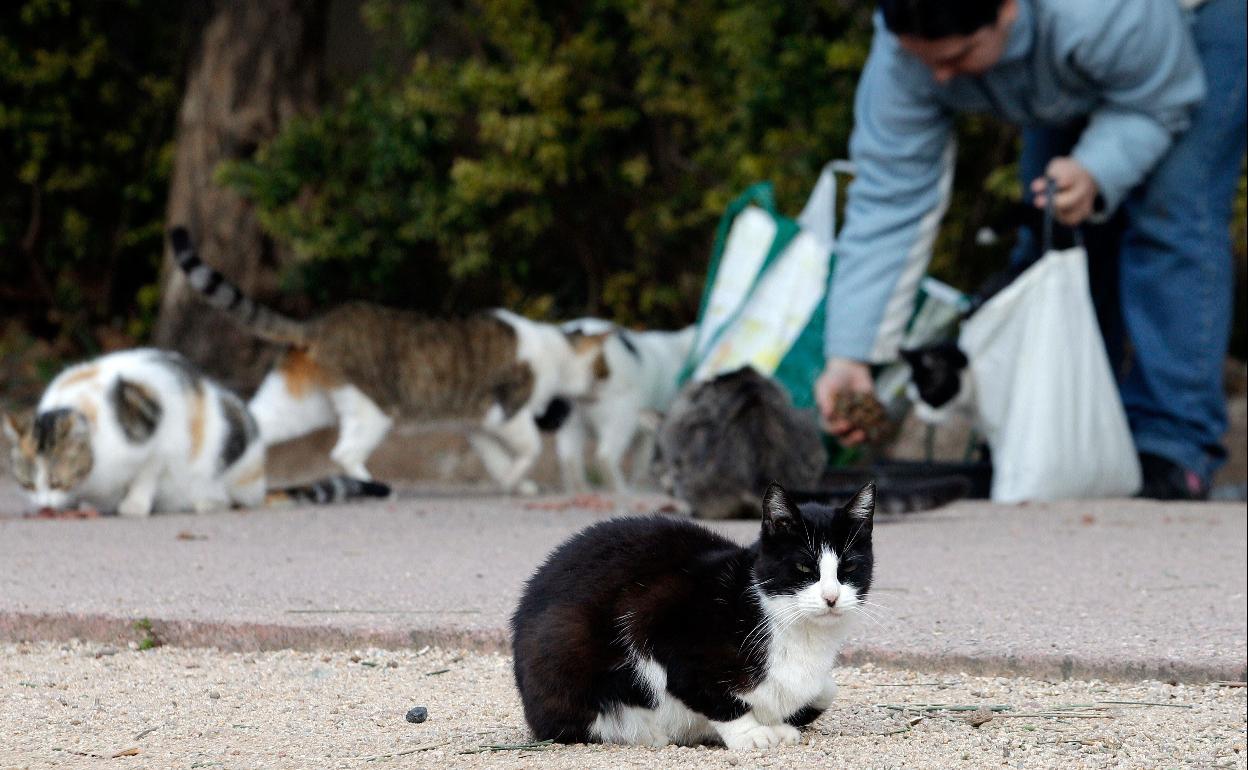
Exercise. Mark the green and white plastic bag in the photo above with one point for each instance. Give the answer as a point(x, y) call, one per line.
point(765, 300)
point(765, 297)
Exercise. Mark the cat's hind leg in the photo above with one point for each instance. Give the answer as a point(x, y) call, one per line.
point(246, 485)
point(285, 407)
point(643, 458)
point(570, 447)
point(630, 726)
point(615, 434)
point(142, 491)
point(361, 427)
point(510, 450)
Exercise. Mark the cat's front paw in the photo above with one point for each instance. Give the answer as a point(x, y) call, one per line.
point(762, 737)
point(209, 506)
point(527, 488)
point(132, 507)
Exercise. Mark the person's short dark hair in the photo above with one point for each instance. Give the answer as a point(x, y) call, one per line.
point(934, 19)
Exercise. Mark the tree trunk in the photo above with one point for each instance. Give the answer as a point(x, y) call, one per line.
point(259, 65)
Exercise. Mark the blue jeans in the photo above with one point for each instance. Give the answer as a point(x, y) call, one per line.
point(1161, 270)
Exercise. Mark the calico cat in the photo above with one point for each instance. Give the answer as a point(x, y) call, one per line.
point(640, 378)
point(655, 630)
point(725, 438)
point(362, 366)
point(143, 430)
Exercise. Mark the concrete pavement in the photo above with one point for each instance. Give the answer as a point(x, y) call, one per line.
point(1109, 589)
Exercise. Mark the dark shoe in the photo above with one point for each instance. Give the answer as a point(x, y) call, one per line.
point(1166, 480)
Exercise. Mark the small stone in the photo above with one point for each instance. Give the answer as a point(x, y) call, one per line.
point(732, 760)
point(980, 716)
point(417, 714)
point(392, 664)
point(214, 695)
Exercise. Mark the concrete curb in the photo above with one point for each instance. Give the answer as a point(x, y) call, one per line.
point(253, 637)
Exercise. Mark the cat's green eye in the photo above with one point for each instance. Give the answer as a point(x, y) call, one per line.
point(803, 568)
point(849, 567)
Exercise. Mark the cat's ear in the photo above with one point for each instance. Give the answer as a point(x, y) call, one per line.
point(584, 343)
point(861, 509)
point(14, 428)
point(780, 515)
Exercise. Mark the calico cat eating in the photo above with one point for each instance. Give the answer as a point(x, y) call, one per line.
point(655, 630)
point(142, 430)
point(639, 379)
point(361, 366)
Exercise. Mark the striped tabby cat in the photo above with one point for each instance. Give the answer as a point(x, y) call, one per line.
point(362, 366)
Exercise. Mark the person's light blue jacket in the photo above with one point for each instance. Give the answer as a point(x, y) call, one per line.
point(1129, 66)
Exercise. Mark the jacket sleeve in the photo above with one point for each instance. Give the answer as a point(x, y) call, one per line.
point(902, 150)
point(1141, 57)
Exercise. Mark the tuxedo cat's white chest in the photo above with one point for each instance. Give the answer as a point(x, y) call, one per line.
point(799, 674)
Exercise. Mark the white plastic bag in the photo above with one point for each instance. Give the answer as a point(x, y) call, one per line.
point(1046, 398)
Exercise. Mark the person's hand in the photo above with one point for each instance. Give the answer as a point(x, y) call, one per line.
point(1076, 191)
point(841, 375)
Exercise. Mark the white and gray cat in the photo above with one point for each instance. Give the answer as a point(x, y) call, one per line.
point(142, 430)
point(640, 378)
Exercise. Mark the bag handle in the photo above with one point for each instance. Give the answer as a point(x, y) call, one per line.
point(838, 167)
point(1050, 217)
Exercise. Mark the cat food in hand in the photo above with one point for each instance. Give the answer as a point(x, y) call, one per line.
point(866, 413)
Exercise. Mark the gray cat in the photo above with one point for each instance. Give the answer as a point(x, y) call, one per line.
point(724, 440)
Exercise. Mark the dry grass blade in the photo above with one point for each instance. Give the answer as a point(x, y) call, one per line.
point(533, 745)
point(1230, 684)
point(929, 707)
point(404, 753)
point(1145, 703)
point(133, 751)
point(1055, 715)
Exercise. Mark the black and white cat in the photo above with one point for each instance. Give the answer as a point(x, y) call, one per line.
point(940, 382)
point(656, 630)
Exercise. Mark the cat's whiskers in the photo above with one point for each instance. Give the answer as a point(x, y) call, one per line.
point(869, 610)
point(868, 614)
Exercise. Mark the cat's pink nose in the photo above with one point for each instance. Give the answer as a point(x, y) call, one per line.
point(831, 597)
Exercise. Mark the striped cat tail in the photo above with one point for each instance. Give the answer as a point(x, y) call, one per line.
point(222, 294)
point(334, 489)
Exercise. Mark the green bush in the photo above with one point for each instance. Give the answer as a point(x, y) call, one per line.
point(558, 158)
point(88, 100)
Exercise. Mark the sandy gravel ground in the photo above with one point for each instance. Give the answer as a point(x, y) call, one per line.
point(79, 705)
